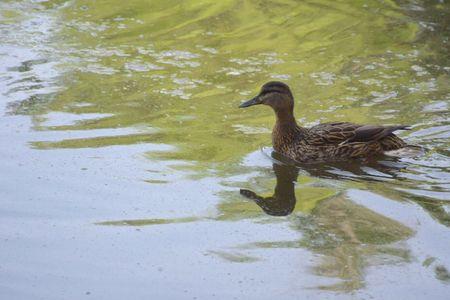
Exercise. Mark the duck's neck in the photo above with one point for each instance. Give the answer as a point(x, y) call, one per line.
point(285, 131)
point(285, 118)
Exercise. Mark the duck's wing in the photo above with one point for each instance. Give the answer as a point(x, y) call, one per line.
point(344, 132)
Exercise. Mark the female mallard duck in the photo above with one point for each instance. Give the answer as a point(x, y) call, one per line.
point(323, 142)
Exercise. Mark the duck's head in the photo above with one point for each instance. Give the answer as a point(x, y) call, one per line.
point(275, 94)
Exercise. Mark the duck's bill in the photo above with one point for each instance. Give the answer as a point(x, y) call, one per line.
point(251, 102)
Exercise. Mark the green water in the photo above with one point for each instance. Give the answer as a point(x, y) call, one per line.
point(125, 150)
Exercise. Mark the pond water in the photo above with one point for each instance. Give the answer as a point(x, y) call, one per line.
point(124, 153)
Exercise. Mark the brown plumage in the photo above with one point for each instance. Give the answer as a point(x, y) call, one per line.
point(323, 142)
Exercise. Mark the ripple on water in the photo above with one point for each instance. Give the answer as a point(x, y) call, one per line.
point(323, 78)
point(437, 106)
point(57, 119)
point(98, 69)
point(139, 66)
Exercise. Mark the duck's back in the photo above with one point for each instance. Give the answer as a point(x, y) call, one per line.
point(343, 140)
point(346, 133)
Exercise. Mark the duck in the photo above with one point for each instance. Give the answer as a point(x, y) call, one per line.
point(332, 141)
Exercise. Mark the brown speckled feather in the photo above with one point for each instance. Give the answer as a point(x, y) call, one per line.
point(335, 141)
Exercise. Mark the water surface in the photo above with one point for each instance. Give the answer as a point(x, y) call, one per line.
point(124, 151)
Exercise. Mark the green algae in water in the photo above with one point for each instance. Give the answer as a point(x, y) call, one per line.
point(205, 61)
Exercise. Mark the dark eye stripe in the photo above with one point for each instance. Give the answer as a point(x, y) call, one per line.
point(270, 91)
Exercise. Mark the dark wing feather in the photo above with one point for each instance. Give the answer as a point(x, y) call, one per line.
point(344, 132)
point(331, 133)
point(368, 133)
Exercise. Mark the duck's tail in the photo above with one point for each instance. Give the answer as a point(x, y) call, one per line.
point(401, 127)
point(407, 151)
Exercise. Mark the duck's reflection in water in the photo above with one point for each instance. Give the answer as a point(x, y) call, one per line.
point(283, 200)
point(348, 236)
point(282, 203)
point(389, 176)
